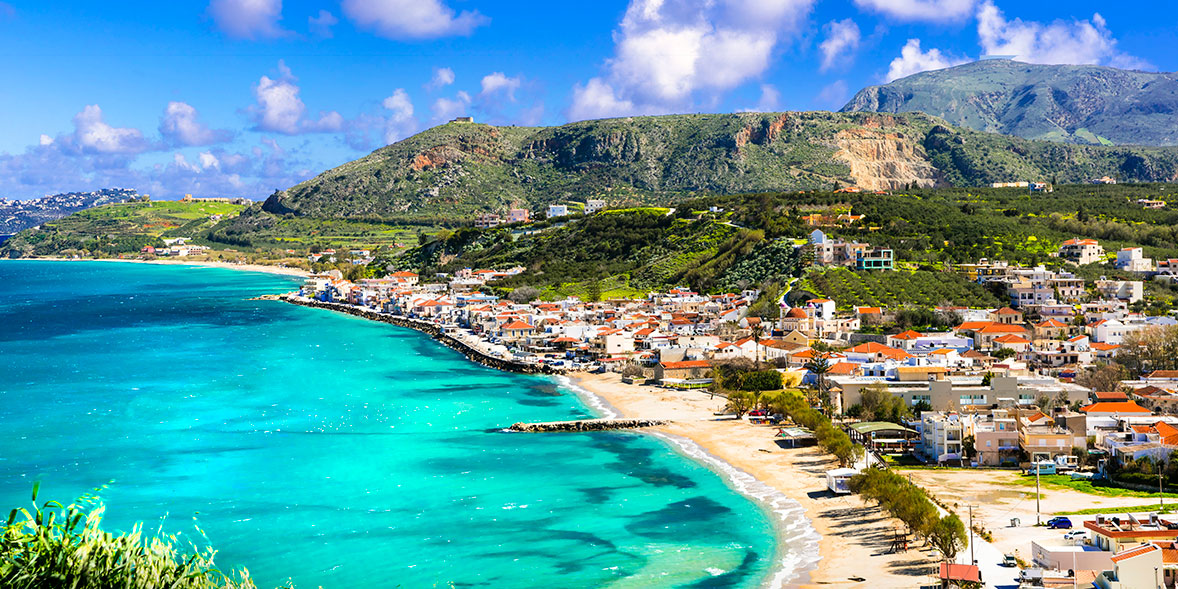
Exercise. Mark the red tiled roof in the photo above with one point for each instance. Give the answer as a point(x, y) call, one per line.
point(1011, 338)
point(1115, 407)
point(1134, 552)
point(1050, 323)
point(907, 335)
point(1007, 311)
point(843, 369)
point(1164, 374)
point(960, 572)
point(1110, 396)
point(518, 325)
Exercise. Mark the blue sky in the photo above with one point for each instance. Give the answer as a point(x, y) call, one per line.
point(242, 97)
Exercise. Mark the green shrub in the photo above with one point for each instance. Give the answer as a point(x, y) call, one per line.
point(58, 547)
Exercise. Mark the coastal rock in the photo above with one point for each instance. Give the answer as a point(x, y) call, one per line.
point(585, 425)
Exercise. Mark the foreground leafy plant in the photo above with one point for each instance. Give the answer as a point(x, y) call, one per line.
point(55, 546)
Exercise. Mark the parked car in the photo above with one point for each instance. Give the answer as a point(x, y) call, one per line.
point(1076, 535)
point(1008, 560)
point(1059, 523)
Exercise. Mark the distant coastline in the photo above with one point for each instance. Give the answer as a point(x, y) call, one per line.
point(267, 269)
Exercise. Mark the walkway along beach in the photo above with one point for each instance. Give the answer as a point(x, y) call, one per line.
point(823, 540)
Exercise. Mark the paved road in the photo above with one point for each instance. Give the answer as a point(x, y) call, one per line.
point(989, 558)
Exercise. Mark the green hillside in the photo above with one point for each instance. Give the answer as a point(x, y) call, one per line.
point(750, 241)
point(450, 173)
point(120, 228)
point(1067, 103)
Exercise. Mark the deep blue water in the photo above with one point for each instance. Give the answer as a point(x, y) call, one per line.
point(335, 451)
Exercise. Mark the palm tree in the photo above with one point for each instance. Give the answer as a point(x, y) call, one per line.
point(820, 367)
point(757, 331)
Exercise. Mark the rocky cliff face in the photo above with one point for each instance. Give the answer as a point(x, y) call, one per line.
point(457, 170)
point(1066, 103)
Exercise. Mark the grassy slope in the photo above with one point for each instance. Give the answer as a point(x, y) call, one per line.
point(118, 228)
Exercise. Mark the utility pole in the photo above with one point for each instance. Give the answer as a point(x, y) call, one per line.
point(1161, 500)
point(1038, 520)
point(972, 560)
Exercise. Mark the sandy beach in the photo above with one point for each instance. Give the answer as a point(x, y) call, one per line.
point(282, 270)
point(856, 539)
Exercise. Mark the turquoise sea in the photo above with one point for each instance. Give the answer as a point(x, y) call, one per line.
point(338, 452)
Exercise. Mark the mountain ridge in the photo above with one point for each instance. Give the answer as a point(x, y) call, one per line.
point(1086, 104)
point(457, 170)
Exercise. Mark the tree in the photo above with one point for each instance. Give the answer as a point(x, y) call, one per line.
point(740, 402)
point(878, 404)
point(969, 446)
point(757, 330)
point(948, 535)
point(1103, 377)
point(1003, 353)
point(524, 294)
point(820, 366)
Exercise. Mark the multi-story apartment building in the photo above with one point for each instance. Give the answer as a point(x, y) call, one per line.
point(1082, 251)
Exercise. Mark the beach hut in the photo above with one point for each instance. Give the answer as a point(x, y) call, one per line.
point(839, 479)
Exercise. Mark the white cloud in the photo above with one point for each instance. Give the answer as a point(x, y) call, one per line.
point(447, 108)
point(443, 76)
point(181, 125)
point(209, 161)
point(497, 81)
point(280, 110)
point(400, 122)
point(411, 19)
point(842, 40)
point(93, 135)
point(833, 95)
point(1075, 42)
point(46, 140)
point(248, 19)
point(913, 61)
point(920, 10)
point(770, 100)
point(597, 100)
point(320, 25)
point(667, 51)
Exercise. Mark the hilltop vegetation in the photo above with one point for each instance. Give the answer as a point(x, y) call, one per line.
point(751, 242)
point(1068, 103)
point(120, 228)
point(450, 173)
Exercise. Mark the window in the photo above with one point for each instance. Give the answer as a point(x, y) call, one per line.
point(988, 443)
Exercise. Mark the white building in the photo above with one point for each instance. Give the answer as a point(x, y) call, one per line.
point(1082, 251)
point(1125, 290)
point(594, 205)
point(1131, 259)
point(941, 436)
point(557, 211)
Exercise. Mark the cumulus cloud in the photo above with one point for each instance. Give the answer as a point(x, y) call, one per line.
point(320, 24)
point(920, 10)
point(411, 19)
point(93, 135)
point(280, 110)
point(248, 19)
point(448, 108)
point(181, 125)
point(1075, 42)
point(913, 61)
point(400, 122)
point(842, 40)
point(496, 82)
point(443, 76)
point(666, 51)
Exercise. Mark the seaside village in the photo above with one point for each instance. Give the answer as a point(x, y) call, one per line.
point(995, 390)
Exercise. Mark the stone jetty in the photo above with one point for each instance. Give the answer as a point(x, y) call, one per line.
point(432, 329)
point(586, 425)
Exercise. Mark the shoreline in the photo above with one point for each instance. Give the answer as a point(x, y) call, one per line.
point(834, 539)
point(261, 268)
